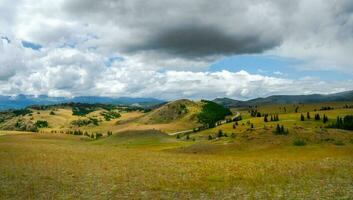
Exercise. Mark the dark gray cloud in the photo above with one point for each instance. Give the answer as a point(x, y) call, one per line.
point(184, 28)
point(197, 41)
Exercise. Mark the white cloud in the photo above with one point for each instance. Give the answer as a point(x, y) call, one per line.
point(165, 46)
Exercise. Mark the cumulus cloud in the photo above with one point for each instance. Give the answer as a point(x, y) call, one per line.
point(162, 48)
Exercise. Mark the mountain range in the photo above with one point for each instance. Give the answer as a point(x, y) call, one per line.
point(22, 101)
point(287, 99)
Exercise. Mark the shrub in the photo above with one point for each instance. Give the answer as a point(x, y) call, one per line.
point(41, 124)
point(98, 135)
point(52, 113)
point(338, 143)
point(188, 137)
point(108, 115)
point(302, 117)
point(299, 142)
point(85, 122)
point(220, 133)
point(210, 137)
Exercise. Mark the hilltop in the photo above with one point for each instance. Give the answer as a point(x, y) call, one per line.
point(181, 110)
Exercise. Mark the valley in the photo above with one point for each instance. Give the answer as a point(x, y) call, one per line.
point(85, 151)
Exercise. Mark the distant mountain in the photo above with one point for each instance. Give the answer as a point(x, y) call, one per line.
point(287, 99)
point(22, 101)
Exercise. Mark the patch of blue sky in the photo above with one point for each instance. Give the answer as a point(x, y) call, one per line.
point(31, 45)
point(110, 60)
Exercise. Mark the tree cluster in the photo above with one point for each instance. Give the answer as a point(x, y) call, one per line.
point(211, 113)
point(343, 123)
point(326, 108)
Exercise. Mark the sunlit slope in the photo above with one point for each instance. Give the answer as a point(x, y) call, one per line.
point(180, 110)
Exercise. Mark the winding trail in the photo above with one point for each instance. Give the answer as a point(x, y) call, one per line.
point(192, 130)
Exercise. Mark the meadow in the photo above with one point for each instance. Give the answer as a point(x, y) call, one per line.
point(248, 163)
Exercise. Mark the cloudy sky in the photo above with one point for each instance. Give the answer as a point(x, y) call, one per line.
point(175, 49)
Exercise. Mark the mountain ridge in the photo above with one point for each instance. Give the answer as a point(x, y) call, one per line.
point(22, 101)
point(286, 99)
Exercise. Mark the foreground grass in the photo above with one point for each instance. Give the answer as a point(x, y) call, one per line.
point(54, 166)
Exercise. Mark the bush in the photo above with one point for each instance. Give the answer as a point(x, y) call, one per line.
point(108, 115)
point(338, 143)
point(188, 137)
point(98, 135)
point(220, 133)
point(299, 142)
point(41, 124)
point(302, 117)
point(85, 122)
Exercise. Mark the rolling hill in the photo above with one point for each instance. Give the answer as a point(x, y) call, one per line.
point(180, 110)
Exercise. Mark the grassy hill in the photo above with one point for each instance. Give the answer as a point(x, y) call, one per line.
point(180, 110)
point(103, 118)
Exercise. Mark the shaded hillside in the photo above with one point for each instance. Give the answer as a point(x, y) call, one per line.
point(287, 99)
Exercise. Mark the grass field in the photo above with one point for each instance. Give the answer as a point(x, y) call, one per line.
point(133, 163)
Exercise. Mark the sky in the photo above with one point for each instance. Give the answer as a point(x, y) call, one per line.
point(199, 49)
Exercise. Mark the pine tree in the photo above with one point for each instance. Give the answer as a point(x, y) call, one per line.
point(302, 117)
point(265, 118)
point(278, 129)
point(220, 133)
point(325, 119)
point(308, 115)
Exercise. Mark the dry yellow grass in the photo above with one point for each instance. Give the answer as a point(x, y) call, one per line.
point(57, 166)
